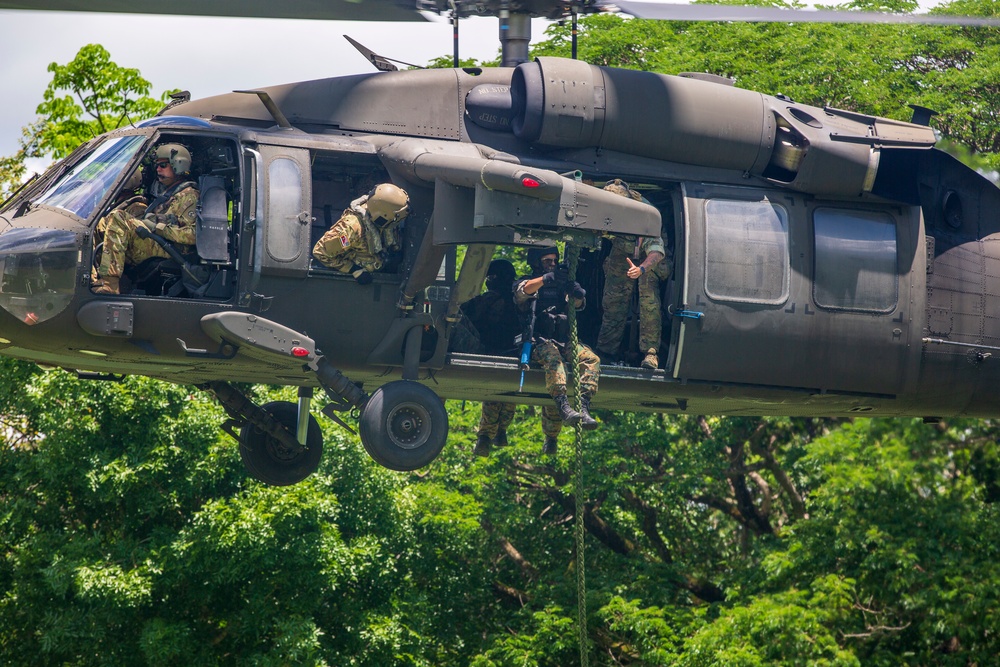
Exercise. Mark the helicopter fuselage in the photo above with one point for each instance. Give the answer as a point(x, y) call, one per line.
point(824, 263)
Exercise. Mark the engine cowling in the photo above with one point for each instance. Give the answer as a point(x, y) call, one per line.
point(571, 104)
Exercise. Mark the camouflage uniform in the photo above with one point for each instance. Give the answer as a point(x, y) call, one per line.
point(618, 288)
point(355, 240)
point(496, 417)
point(555, 358)
point(554, 354)
point(551, 421)
point(174, 220)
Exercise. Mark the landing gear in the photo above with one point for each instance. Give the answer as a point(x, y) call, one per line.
point(403, 426)
point(280, 442)
point(273, 461)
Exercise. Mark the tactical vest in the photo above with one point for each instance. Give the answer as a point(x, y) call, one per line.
point(551, 321)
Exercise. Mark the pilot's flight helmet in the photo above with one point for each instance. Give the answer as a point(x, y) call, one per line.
point(620, 187)
point(535, 256)
point(134, 181)
point(179, 157)
point(389, 203)
point(500, 276)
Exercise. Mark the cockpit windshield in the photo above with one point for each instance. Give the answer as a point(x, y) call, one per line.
point(82, 189)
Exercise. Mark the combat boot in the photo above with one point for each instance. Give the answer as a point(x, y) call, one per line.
point(607, 358)
point(651, 361)
point(482, 445)
point(588, 422)
point(501, 439)
point(549, 446)
point(108, 285)
point(569, 416)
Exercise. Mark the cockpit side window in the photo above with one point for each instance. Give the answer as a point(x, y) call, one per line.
point(82, 189)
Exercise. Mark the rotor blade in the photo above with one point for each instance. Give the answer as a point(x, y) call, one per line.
point(674, 12)
point(341, 10)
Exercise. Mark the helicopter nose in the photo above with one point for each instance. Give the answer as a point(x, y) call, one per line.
point(37, 272)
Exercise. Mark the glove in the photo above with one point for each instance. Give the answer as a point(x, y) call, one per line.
point(361, 276)
point(150, 224)
point(575, 289)
point(560, 276)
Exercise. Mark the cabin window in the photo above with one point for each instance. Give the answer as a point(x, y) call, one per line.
point(83, 187)
point(855, 260)
point(284, 209)
point(746, 246)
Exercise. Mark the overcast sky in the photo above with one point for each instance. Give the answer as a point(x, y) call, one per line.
point(208, 56)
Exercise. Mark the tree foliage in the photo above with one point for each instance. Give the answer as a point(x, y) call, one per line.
point(873, 69)
point(132, 536)
point(86, 97)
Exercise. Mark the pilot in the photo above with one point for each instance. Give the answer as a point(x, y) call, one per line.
point(632, 260)
point(171, 215)
point(546, 292)
point(495, 317)
point(359, 241)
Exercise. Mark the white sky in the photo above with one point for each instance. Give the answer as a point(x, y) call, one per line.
point(222, 54)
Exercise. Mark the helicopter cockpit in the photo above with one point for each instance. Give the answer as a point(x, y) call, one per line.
point(39, 264)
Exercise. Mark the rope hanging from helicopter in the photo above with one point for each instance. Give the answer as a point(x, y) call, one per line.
point(572, 259)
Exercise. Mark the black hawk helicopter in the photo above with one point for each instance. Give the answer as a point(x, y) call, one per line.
point(825, 262)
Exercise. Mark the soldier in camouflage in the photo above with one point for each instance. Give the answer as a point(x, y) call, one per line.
point(171, 215)
point(495, 317)
point(548, 290)
point(632, 260)
point(360, 240)
point(493, 424)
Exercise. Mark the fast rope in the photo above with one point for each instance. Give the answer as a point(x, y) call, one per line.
point(572, 259)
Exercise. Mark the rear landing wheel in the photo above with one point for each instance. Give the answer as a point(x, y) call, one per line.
point(272, 462)
point(403, 426)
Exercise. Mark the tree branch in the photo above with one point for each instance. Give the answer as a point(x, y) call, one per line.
point(650, 525)
point(784, 481)
point(595, 524)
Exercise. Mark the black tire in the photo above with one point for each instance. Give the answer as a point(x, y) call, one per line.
point(403, 426)
point(269, 461)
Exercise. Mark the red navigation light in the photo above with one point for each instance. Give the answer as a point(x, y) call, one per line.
point(300, 352)
point(529, 182)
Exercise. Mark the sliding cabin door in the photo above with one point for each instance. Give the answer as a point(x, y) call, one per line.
point(788, 292)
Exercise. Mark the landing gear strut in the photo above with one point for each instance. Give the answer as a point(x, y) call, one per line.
point(403, 424)
point(272, 461)
point(269, 447)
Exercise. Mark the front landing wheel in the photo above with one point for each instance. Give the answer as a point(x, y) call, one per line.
point(403, 426)
point(272, 462)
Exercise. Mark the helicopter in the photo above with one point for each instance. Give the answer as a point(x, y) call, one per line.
point(825, 262)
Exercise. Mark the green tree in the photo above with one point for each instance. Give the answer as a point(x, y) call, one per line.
point(876, 69)
point(87, 97)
